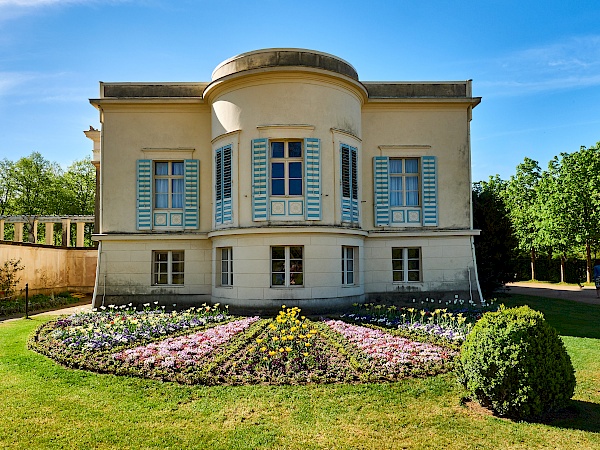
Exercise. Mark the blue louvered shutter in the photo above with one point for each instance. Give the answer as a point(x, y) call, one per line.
point(223, 190)
point(381, 169)
point(313, 178)
point(430, 209)
point(190, 212)
point(259, 180)
point(349, 178)
point(144, 194)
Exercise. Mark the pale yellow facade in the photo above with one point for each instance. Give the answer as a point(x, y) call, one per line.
point(274, 148)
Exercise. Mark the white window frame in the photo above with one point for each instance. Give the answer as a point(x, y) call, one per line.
point(405, 259)
point(286, 160)
point(288, 266)
point(349, 266)
point(225, 261)
point(403, 175)
point(170, 262)
point(169, 177)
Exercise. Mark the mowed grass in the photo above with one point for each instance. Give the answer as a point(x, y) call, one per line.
point(44, 405)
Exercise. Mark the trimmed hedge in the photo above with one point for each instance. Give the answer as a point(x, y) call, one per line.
point(514, 363)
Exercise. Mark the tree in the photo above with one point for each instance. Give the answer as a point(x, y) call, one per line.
point(6, 187)
point(36, 189)
point(579, 175)
point(79, 188)
point(520, 197)
point(496, 243)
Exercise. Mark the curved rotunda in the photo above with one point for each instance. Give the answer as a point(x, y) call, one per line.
point(284, 179)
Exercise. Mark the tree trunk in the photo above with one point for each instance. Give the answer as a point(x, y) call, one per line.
point(563, 262)
point(532, 263)
point(588, 255)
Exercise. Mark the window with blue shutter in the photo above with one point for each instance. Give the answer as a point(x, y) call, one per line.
point(349, 178)
point(259, 180)
point(313, 178)
point(144, 195)
point(381, 171)
point(223, 191)
point(430, 208)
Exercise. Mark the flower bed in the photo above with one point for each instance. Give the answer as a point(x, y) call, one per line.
point(208, 346)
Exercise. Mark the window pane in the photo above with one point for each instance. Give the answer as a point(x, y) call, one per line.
point(177, 278)
point(395, 198)
point(161, 278)
point(411, 165)
point(350, 279)
point(296, 279)
point(277, 170)
point(396, 253)
point(161, 168)
point(161, 186)
point(413, 264)
point(178, 267)
point(224, 280)
point(413, 253)
point(350, 264)
point(412, 199)
point(413, 276)
point(277, 150)
point(295, 187)
point(398, 276)
point(295, 169)
point(224, 266)
point(395, 166)
point(224, 254)
point(177, 256)
point(295, 149)
point(278, 279)
point(278, 252)
point(296, 265)
point(296, 252)
point(177, 168)
point(397, 264)
point(177, 196)
point(278, 265)
point(278, 187)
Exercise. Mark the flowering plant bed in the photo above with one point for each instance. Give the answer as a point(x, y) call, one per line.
point(207, 346)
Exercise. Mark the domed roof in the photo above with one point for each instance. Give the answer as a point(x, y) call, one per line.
point(284, 57)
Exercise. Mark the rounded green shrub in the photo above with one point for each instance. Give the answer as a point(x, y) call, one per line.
point(514, 363)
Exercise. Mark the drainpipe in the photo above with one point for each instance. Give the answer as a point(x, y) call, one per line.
point(475, 270)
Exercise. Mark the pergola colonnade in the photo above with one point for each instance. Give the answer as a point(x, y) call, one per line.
point(49, 221)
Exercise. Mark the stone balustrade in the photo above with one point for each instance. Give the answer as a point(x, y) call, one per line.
point(49, 221)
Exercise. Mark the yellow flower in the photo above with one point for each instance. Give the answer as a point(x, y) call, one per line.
point(275, 338)
point(304, 326)
point(272, 353)
point(307, 344)
point(281, 350)
point(288, 349)
point(263, 349)
point(265, 358)
point(305, 354)
point(303, 317)
point(283, 306)
point(283, 338)
point(258, 341)
point(290, 338)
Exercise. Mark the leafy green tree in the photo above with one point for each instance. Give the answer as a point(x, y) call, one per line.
point(6, 187)
point(79, 188)
point(579, 176)
point(36, 189)
point(495, 245)
point(520, 197)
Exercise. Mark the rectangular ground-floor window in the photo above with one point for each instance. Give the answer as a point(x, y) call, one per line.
point(167, 267)
point(406, 264)
point(225, 256)
point(349, 255)
point(287, 266)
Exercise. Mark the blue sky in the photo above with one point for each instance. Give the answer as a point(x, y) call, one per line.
point(536, 64)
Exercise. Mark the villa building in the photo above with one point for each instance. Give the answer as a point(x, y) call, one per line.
point(285, 179)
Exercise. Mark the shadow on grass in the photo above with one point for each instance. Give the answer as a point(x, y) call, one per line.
point(578, 415)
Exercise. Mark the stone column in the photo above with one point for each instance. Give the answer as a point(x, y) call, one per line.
point(80, 234)
point(34, 234)
point(49, 233)
point(66, 232)
point(18, 232)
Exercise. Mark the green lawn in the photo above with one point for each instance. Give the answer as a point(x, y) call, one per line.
point(46, 406)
